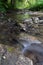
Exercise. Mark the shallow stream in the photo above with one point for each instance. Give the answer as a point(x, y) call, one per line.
point(10, 49)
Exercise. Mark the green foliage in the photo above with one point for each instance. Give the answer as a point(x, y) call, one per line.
point(37, 6)
point(2, 9)
point(29, 4)
point(20, 4)
point(3, 6)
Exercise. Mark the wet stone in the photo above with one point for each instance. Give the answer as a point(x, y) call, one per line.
point(23, 61)
point(13, 57)
point(9, 30)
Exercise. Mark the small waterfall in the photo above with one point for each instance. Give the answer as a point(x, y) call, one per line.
point(26, 42)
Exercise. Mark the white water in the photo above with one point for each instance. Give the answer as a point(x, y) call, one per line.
point(26, 42)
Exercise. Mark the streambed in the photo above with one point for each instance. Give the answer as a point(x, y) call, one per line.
point(10, 49)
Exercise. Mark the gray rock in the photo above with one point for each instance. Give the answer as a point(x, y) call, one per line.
point(14, 57)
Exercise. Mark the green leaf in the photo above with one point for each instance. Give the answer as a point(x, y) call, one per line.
point(2, 8)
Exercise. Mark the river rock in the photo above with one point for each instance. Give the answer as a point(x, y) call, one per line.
point(10, 55)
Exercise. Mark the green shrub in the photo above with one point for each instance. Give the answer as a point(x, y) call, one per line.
point(20, 4)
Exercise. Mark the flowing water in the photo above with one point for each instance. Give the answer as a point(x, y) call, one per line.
point(26, 38)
